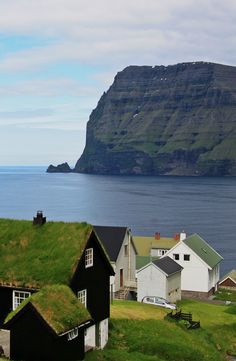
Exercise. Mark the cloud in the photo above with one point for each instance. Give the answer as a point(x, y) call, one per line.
point(48, 88)
point(24, 114)
point(119, 33)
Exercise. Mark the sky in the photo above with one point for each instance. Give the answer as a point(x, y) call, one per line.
point(57, 57)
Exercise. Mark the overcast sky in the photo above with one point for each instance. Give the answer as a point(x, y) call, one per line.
point(58, 56)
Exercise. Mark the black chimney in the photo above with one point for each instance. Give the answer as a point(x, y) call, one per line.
point(39, 219)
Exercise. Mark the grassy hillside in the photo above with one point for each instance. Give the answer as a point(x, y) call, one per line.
point(140, 332)
point(174, 120)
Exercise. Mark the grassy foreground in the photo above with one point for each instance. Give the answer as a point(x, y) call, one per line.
point(225, 295)
point(140, 332)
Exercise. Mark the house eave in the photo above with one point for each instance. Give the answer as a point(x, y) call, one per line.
point(84, 324)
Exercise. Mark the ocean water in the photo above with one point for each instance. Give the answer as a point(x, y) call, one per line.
point(202, 205)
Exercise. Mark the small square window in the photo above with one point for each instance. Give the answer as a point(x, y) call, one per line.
point(18, 297)
point(176, 256)
point(89, 257)
point(82, 297)
point(186, 257)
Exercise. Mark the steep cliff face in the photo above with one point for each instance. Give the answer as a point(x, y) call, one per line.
point(178, 120)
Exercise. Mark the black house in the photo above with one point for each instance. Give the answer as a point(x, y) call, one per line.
point(55, 253)
point(49, 326)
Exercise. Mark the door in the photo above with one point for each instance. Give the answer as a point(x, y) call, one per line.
point(121, 277)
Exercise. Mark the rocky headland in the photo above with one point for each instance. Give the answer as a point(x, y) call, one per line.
point(164, 120)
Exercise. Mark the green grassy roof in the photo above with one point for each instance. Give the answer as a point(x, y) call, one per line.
point(144, 244)
point(203, 250)
point(58, 306)
point(35, 256)
point(142, 261)
point(231, 274)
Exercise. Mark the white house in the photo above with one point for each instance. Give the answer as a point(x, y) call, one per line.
point(161, 278)
point(119, 245)
point(201, 266)
point(154, 246)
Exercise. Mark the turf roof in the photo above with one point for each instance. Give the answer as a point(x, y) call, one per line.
point(144, 244)
point(231, 274)
point(35, 256)
point(58, 306)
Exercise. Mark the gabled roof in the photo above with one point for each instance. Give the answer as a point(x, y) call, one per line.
point(203, 250)
point(231, 274)
point(168, 265)
point(58, 306)
point(36, 256)
point(144, 244)
point(112, 239)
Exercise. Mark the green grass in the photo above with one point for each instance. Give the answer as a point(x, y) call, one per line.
point(225, 295)
point(35, 256)
point(141, 332)
point(58, 306)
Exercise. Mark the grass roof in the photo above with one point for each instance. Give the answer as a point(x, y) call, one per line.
point(144, 244)
point(142, 261)
point(58, 306)
point(231, 274)
point(35, 256)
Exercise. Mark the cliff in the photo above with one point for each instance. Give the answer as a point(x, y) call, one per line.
point(173, 120)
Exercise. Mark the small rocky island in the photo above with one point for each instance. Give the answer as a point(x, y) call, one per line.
point(163, 120)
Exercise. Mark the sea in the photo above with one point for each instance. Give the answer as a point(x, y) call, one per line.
point(169, 205)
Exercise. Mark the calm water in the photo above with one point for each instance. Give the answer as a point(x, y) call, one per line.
point(146, 204)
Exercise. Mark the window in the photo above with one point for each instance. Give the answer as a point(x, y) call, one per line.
point(82, 297)
point(72, 334)
point(186, 257)
point(163, 252)
point(88, 257)
point(126, 250)
point(176, 256)
point(18, 297)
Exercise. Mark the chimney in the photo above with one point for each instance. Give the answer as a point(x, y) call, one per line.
point(183, 235)
point(177, 237)
point(39, 219)
point(157, 235)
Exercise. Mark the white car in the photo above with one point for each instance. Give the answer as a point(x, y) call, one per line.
point(158, 301)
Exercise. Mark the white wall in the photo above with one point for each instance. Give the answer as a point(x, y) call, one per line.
point(173, 291)
point(103, 328)
point(125, 262)
point(150, 282)
point(90, 337)
point(214, 276)
point(194, 276)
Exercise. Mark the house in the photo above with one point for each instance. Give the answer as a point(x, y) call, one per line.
point(119, 245)
point(201, 266)
point(55, 253)
point(229, 280)
point(161, 277)
point(155, 246)
point(54, 316)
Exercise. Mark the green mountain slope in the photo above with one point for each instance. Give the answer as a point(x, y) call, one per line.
point(175, 120)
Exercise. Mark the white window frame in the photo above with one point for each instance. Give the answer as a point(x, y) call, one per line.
point(18, 297)
point(82, 297)
point(72, 334)
point(88, 257)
